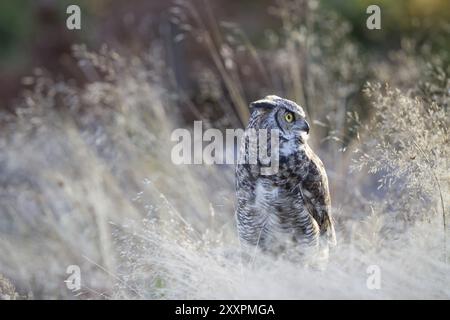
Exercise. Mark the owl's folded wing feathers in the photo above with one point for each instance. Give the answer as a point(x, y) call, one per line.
point(317, 199)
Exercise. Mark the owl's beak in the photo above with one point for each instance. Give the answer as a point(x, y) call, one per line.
point(304, 126)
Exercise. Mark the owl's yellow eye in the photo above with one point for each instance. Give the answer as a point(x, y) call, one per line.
point(289, 117)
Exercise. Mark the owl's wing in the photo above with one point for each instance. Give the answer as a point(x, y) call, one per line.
point(317, 198)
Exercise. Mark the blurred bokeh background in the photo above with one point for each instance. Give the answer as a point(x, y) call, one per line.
point(34, 34)
point(86, 118)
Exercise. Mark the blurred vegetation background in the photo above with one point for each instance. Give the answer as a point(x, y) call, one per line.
point(85, 123)
point(34, 34)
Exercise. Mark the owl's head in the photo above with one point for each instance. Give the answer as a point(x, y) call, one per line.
point(274, 112)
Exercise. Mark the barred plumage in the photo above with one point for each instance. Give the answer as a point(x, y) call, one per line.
point(293, 205)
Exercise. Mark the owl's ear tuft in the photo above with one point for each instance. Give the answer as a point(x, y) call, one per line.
point(263, 104)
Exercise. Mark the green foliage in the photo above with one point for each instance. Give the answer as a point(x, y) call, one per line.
point(16, 25)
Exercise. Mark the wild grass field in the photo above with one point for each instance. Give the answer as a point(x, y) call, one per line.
point(86, 176)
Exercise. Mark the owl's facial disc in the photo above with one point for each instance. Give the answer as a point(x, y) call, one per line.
point(301, 125)
point(283, 114)
point(293, 125)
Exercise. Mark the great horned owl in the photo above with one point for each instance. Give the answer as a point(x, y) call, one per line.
point(291, 206)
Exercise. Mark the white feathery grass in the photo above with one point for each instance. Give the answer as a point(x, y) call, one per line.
point(86, 177)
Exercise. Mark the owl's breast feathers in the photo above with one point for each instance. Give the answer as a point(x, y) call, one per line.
point(295, 200)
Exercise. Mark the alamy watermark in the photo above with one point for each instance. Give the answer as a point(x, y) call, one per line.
point(373, 281)
point(374, 20)
point(73, 21)
point(73, 281)
point(190, 149)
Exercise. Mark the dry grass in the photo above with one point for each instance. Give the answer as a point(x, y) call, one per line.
point(7, 290)
point(86, 177)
